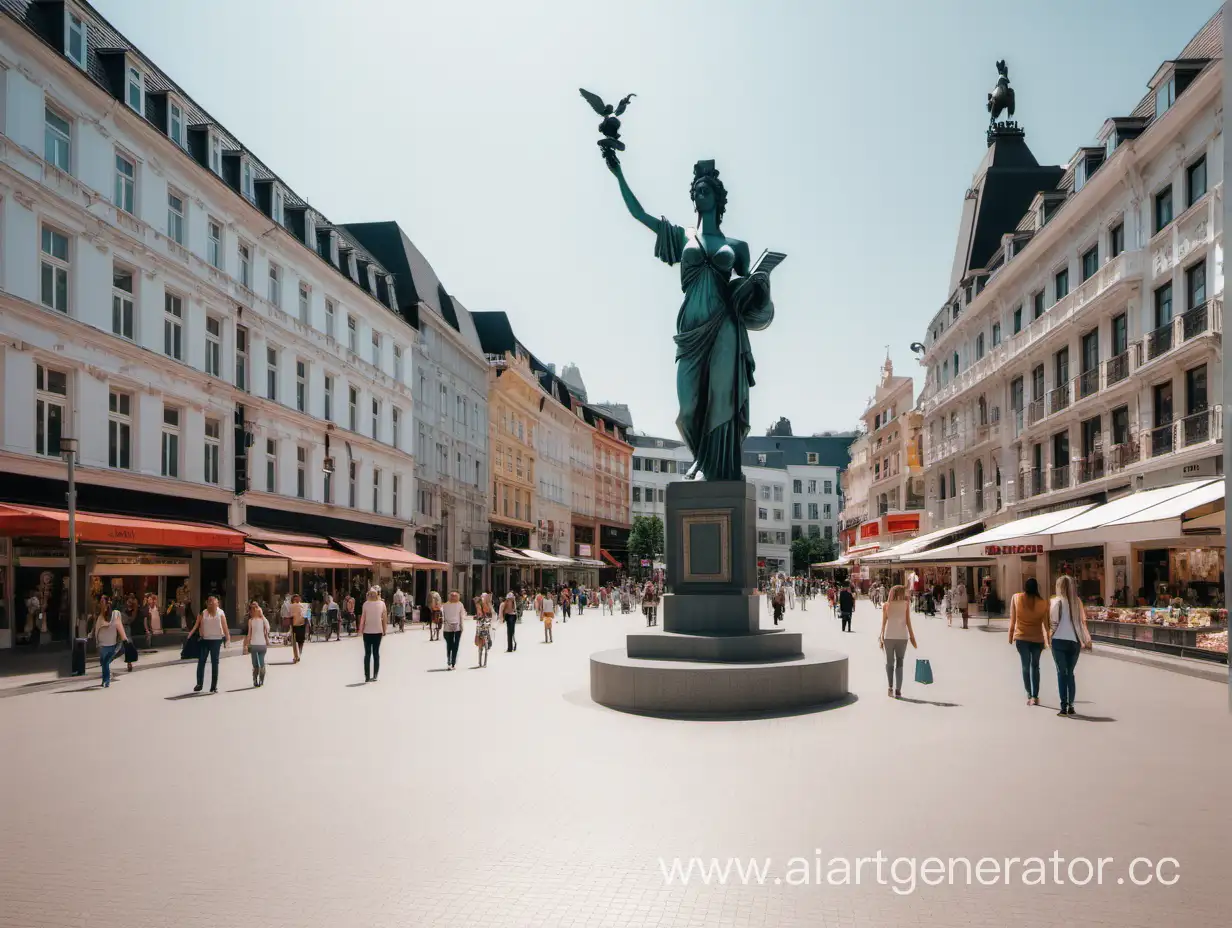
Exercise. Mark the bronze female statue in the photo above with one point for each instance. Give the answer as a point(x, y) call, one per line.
point(723, 299)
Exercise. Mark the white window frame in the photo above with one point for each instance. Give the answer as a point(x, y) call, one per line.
point(353, 483)
point(397, 480)
point(274, 287)
point(213, 450)
point(173, 325)
point(45, 400)
point(329, 397)
point(214, 242)
point(75, 26)
point(376, 490)
point(123, 315)
point(134, 79)
point(120, 430)
point(352, 334)
point(57, 142)
point(812, 457)
point(301, 385)
point(305, 297)
point(216, 153)
point(242, 380)
point(271, 372)
point(244, 251)
point(124, 196)
point(331, 313)
point(301, 472)
point(276, 204)
point(55, 279)
point(177, 215)
point(376, 418)
point(395, 415)
point(398, 366)
point(376, 349)
point(271, 465)
point(171, 441)
point(247, 180)
point(353, 408)
point(177, 131)
point(213, 346)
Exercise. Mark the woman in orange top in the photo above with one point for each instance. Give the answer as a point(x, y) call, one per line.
point(1029, 634)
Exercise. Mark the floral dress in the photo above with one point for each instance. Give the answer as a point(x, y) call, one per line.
point(483, 629)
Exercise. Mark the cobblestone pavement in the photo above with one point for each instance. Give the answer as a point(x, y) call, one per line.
point(505, 797)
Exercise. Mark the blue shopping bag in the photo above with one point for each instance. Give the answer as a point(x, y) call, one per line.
point(923, 671)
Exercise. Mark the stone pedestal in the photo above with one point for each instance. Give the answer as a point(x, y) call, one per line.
point(712, 657)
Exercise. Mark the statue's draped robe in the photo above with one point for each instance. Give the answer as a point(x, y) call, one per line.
point(714, 362)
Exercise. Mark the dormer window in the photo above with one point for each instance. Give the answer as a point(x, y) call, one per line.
point(371, 280)
point(276, 210)
point(216, 154)
point(310, 229)
point(246, 181)
point(1165, 96)
point(333, 248)
point(175, 124)
point(389, 292)
point(76, 38)
point(1089, 161)
point(352, 268)
point(134, 93)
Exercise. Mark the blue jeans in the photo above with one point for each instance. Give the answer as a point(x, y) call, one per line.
point(106, 654)
point(257, 653)
point(211, 648)
point(1065, 655)
point(1029, 653)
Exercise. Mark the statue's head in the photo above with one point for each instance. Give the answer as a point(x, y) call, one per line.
point(707, 191)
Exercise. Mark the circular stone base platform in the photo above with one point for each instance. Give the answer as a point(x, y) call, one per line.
point(703, 688)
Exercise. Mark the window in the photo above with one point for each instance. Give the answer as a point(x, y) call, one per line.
point(241, 357)
point(443, 407)
point(120, 430)
point(829, 488)
point(50, 410)
point(175, 124)
point(1037, 383)
point(301, 472)
point(171, 442)
point(1165, 96)
point(1163, 207)
point(996, 334)
point(271, 372)
point(1120, 425)
point(797, 486)
point(376, 417)
point(122, 302)
point(395, 417)
point(215, 154)
point(1090, 262)
point(276, 204)
point(353, 334)
point(329, 398)
point(811, 457)
point(765, 491)
point(301, 386)
point(955, 363)
point(328, 492)
point(1116, 240)
point(213, 346)
point(1120, 335)
point(396, 485)
point(778, 493)
point(1060, 285)
point(376, 489)
point(330, 313)
point(1037, 305)
point(213, 442)
point(76, 42)
point(274, 292)
point(246, 187)
point(213, 243)
point(125, 195)
point(57, 140)
point(271, 465)
point(136, 90)
point(812, 511)
point(1195, 285)
point(812, 487)
point(780, 538)
point(1163, 306)
point(1017, 326)
point(353, 418)
point(1195, 181)
point(979, 346)
point(303, 303)
point(763, 514)
point(173, 326)
point(398, 363)
point(354, 484)
point(175, 217)
point(376, 349)
point(637, 463)
point(245, 265)
point(637, 494)
point(54, 277)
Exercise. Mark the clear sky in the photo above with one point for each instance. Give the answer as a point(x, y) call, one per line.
point(846, 134)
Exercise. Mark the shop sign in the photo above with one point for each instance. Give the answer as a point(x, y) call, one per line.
point(871, 530)
point(583, 551)
point(645, 563)
point(909, 523)
point(995, 550)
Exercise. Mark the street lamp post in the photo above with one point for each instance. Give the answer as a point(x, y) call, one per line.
point(68, 447)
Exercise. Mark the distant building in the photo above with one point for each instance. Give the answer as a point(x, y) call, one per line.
point(767, 471)
point(656, 463)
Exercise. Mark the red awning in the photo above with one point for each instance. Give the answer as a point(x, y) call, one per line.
point(39, 522)
point(252, 550)
point(318, 557)
point(603, 552)
point(393, 555)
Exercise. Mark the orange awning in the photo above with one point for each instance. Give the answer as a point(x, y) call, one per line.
point(40, 522)
point(318, 557)
point(393, 555)
point(603, 552)
point(252, 550)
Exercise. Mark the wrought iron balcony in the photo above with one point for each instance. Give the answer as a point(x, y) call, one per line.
point(1116, 369)
point(1090, 467)
point(1060, 477)
point(1058, 399)
point(1087, 383)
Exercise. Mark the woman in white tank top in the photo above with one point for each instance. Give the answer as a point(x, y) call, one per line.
point(256, 641)
point(896, 632)
point(211, 626)
point(373, 621)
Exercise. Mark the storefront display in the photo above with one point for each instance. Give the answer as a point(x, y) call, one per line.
point(1086, 566)
point(1177, 628)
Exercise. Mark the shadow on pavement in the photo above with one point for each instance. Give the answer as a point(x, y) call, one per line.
point(184, 696)
point(930, 702)
point(582, 698)
point(80, 689)
point(350, 686)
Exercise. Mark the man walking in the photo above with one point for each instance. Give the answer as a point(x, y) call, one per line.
point(846, 606)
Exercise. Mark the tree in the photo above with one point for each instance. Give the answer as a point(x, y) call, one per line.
point(810, 549)
point(646, 538)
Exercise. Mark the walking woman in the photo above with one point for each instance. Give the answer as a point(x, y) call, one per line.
point(452, 613)
point(1029, 634)
point(1069, 635)
point(509, 612)
point(108, 635)
point(961, 603)
point(375, 622)
point(434, 607)
point(896, 632)
point(299, 627)
point(399, 608)
point(483, 628)
point(650, 604)
point(211, 625)
point(256, 641)
point(547, 612)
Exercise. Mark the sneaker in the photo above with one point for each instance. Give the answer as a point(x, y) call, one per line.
point(1070, 711)
point(197, 688)
point(213, 689)
point(1063, 712)
point(374, 676)
point(367, 679)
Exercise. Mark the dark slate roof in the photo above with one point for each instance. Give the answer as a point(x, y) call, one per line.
point(618, 411)
point(650, 441)
point(831, 450)
point(775, 459)
point(45, 20)
point(495, 333)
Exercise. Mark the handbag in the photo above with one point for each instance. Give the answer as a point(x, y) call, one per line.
point(923, 671)
point(130, 652)
point(191, 648)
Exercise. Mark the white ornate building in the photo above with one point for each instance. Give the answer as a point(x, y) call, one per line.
point(1078, 353)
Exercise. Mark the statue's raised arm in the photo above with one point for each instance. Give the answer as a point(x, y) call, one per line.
point(631, 201)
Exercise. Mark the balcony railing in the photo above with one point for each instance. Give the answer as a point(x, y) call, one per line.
point(1035, 411)
point(1060, 477)
point(1087, 383)
point(1090, 467)
point(1204, 319)
point(1125, 454)
point(1116, 369)
point(1195, 322)
point(1200, 427)
point(1058, 399)
point(1161, 439)
point(1030, 483)
point(1159, 342)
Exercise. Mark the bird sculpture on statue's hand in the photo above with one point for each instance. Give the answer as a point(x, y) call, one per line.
point(610, 127)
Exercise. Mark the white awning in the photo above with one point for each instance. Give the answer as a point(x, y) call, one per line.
point(1147, 515)
point(1032, 530)
point(921, 543)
